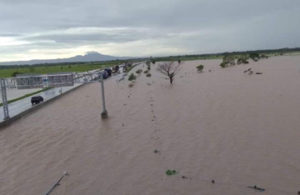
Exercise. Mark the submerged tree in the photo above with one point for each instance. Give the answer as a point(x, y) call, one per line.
point(254, 56)
point(169, 69)
point(228, 60)
point(200, 68)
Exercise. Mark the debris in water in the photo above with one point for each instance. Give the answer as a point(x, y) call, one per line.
point(57, 183)
point(256, 188)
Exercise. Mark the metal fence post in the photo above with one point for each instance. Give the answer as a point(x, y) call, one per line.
point(4, 99)
point(104, 111)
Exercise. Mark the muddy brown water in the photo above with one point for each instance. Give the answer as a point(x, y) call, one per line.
point(223, 124)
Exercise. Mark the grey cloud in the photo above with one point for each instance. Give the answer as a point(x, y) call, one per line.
point(167, 14)
point(9, 35)
point(95, 35)
point(195, 26)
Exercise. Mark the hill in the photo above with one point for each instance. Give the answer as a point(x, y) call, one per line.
point(88, 57)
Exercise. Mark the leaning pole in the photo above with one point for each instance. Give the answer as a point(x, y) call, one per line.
point(4, 99)
point(104, 114)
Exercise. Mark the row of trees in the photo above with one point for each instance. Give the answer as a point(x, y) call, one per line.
point(231, 60)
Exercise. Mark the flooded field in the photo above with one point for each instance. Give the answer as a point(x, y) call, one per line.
point(224, 125)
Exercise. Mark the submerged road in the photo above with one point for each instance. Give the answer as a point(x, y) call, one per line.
point(22, 105)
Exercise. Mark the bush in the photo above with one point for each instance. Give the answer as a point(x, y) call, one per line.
point(242, 60)
point(128, 68)
point(223, 65)
point(14, 74)
point(264, 56)
point(148, 75)
point(131, 77)
point(254, 56)
point(146, 71)
point(139, 71)
point(200, 67)
point(171, 172)
point(229, 60)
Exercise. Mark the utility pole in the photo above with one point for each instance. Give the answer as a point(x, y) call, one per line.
point(104, 114)
point(4, 99)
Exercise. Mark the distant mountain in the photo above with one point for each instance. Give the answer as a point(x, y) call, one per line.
point(88, 57)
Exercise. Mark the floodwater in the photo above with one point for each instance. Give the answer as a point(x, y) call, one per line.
point(224, 125)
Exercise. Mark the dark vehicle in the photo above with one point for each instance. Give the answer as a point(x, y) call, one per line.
point(108, 70)
point(36, 99)
point(105, 74)
point(116, 69)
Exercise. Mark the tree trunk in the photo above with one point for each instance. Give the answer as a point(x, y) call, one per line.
point(171, 80)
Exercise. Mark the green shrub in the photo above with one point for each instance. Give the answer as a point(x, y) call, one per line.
point(128, 68)
point(14, 74)
point(171, 172)
point(242, 60)
point(254, 56)
point(146, 71)
point(264, 56)
point(223, 65)
point(148, 75)
point(200, 67)
point(131, 77)
point(229, 60)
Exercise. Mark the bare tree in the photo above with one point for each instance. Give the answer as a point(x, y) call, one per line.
point(169, 69)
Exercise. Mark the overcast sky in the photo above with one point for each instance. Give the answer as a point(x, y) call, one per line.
point(45, 29)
